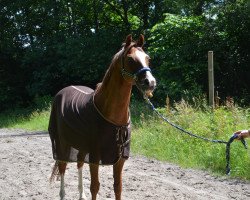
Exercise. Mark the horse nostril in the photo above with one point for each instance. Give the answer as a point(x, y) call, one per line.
point(146, 82)
point(153, 83)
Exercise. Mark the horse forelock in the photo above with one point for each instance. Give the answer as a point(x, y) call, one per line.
point(124, 51)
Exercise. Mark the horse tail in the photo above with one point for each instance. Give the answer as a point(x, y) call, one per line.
point(55, 172)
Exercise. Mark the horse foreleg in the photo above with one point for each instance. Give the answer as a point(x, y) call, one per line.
point(62, 168)
point(80, 184)
point(117, 174)
point(95, 185)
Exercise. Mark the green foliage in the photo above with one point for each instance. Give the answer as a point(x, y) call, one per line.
point(180, 44)
point(175, 44)
point(232, 30)
point(46, 45)
point(35, 117)
point(75, 61)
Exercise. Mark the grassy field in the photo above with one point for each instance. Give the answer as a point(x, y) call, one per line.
point(154, 138)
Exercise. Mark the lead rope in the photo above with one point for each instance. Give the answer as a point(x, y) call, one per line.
point(228, 143)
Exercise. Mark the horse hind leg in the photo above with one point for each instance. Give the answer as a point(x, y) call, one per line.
point(62, 168)
point(82, 195)
point(58, 172)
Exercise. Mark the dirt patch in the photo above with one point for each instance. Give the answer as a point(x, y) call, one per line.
point(26, 163)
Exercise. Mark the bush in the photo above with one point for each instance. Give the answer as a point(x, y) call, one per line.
point(181, 58)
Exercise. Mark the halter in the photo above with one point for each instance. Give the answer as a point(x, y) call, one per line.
point(135, 75)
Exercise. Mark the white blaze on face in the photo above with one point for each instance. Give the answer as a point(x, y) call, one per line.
point(142, 58)
point(151, 79)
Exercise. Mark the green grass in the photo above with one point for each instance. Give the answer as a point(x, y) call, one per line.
point(154, 138)
point(21, 119)
point(35, 117)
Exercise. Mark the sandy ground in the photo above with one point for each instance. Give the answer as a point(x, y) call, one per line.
point(26, 163)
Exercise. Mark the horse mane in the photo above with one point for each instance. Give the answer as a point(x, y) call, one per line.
point(116, 58)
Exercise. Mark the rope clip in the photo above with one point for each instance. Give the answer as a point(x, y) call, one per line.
point(235, 136)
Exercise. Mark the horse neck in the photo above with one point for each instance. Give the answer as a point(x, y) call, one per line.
point(112, 98)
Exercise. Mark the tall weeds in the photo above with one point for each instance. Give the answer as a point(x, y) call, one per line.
point(154, 138)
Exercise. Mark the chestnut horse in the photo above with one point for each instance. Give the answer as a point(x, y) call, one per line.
point(71, 130)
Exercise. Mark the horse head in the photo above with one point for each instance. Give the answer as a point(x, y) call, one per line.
point(135, 66)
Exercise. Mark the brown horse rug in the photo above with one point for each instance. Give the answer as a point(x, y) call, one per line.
point(79, 133)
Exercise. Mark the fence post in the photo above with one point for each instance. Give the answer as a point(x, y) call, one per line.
point(211, 78)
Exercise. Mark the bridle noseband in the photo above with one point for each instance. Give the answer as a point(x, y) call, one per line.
point(135, 75)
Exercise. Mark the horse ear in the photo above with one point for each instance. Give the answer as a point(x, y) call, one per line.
point(140, 42)
point(128, 40)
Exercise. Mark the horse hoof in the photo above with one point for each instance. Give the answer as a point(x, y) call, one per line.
point(83, 197)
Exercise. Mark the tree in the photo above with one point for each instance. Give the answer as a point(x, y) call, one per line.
point(46, 45)
point(180, 44)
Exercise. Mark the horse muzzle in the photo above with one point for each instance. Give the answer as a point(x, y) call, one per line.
point(146, 84)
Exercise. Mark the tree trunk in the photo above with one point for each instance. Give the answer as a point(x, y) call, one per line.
point(125, 17)
point(145, 9)
point(198, 9)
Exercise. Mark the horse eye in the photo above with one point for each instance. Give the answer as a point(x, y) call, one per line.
point(130, 58)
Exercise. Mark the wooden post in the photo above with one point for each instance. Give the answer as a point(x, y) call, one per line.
point(211, 78)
